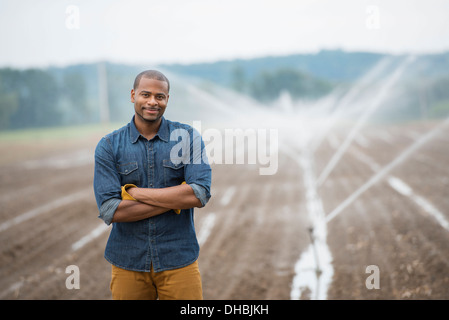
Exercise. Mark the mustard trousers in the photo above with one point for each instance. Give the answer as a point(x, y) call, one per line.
point(178, 284)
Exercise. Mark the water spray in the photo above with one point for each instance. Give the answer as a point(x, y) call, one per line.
point(361, 122)
point(380, 174)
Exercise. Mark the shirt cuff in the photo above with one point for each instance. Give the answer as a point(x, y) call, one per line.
point(200, 193)
point(108, 209)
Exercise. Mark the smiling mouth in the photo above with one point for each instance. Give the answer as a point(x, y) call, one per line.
point(151, 110)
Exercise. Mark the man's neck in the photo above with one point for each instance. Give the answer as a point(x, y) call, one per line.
point(148, 129)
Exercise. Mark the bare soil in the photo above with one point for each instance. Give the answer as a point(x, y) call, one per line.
point(256, 238)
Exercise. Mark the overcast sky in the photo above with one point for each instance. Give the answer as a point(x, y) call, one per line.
point(40, 33)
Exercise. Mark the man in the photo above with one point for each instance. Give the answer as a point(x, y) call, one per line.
point(148, 192)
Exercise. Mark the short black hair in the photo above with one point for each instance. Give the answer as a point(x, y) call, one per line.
point(151, 74)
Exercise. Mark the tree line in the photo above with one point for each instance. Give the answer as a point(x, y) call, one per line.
point(70, 95)
point(33, 98)
point(268, 85)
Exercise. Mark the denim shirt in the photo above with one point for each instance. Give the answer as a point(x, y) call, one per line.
point(175, 154)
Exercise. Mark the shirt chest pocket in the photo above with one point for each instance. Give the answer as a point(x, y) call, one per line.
point(173, 173)
point(129, 173)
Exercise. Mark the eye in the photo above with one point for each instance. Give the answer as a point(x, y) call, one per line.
point(146, 95)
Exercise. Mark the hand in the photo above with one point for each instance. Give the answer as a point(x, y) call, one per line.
point(126, 189)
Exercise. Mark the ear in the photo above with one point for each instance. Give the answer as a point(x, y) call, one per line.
point(132, 95)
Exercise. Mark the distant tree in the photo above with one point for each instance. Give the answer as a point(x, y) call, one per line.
point(268, 85)
point(9, 103)
point(238, 79)
point(38, 96)
point(74, 92)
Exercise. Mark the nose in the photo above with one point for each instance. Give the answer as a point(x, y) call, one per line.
point(152, 101)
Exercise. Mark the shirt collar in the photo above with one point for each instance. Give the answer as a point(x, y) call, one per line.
point(163, 132)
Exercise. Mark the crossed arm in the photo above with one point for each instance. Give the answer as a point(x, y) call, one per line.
point(152, 202)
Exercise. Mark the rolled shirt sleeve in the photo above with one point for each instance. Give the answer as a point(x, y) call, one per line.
point(108, 209)
point(201, 193)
